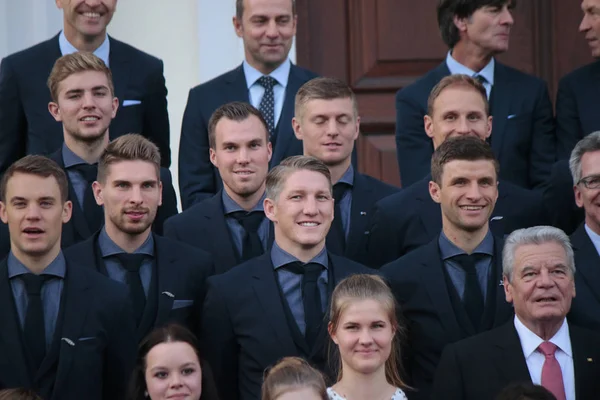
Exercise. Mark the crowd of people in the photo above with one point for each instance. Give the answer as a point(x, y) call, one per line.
point(289, 274)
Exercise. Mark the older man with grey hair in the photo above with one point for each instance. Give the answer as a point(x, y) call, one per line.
point(538, 345)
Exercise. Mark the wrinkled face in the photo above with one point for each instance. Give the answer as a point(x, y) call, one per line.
point(173, 372)
point(467, 195)
point(300, 394)
point(242, 154)
point(35, 213)
point(364, 336)
point(458, 111)
point(303, 211)
point(87, 18)
point(130, 195)
point(589, 199)
point(590, 25)
point(542, 286)
point(328, 129)
point(85, 105)
point(267, 28)
point(488, 29)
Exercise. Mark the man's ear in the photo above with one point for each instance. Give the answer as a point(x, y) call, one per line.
point(434, 191)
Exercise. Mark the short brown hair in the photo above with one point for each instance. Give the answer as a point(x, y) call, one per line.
point(239, 8)
point(468, 148)
point(130, 147)
point(277, 176)
point(457, 80)
point(74, 63)
point(18, 394)
point(289, 374)
point(39, 166)
point(323, 88)
point(234, 111)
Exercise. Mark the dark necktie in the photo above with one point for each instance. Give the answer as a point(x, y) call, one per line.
point(311, 297)
point(132, 264)
point(473, 295)
point(91, 210)
point(34, 329)
point(337, 234)
point(251, 243)
point(481, 79)
point(267, 104)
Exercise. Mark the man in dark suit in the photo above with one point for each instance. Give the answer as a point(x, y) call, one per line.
point(266, 79)
point(576, 114)
point(410, 219)
point(25, 127)
point(231, 225)
point(273, 306)
point(538, 345)
point(585, 168)
point(448, 289)
point(165, 278)
point(67, 330)
point(524, 136)
point(328, 124)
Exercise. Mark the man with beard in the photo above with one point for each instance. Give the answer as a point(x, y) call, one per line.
point(328, 124)
point(165, 278)
point(448, 289)
point(231, 225)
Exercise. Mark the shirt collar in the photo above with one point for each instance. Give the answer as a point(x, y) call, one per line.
point(280, 257)
point(457, 68)
point(594, 237)
point(109, 248)
point(230, 206)
point(281, 73)
point(530, 341)
point(57, 267)
point(449, 249)
point(70, 158)
point(101, 52)
point(348, 177)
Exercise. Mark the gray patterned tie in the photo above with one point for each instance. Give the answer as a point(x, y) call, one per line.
point(267, 104)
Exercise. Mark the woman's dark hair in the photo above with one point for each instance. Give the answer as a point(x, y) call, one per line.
point(18, 394)
point(167, 334)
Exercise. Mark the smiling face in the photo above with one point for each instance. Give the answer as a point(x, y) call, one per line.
point(267, 28)
point(85, 106)
point(542, 286)
point(328, 129)
point(364, 336)
point(173, 372)
point(86, 18)
point(487, 29)
point(589, 199)
point(303, 211)
point(590, 25)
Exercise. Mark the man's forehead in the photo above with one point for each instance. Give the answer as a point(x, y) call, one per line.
point(31, 186)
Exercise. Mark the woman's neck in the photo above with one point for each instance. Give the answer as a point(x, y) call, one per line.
point(357, 386)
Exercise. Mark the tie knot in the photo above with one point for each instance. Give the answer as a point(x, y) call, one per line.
point(480, 78)
point(338, 191)
point(467, 262)
point(131, 262)
point(267, 81)
point(250, 221)
point(548, 349)
point(88, 171)
point(311, 270)
point(33, 283)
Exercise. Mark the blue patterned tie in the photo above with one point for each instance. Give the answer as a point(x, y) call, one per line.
point(267, 104)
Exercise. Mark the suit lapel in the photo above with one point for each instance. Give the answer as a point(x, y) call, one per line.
point(508, 357)
point(503, 310)
point(587, 259)
point(166, 280)
point(120, 68)
point(583, 364)
point(285, 133)
point(218, 234)
point(361, 204)
point(10, 339)
point(267, 294)
point(501, 93)
point(237, 87)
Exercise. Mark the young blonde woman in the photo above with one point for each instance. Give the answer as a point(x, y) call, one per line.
point(364, 326)
point(292, 378)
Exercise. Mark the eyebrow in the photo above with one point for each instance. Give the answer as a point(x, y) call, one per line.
point(75, 91)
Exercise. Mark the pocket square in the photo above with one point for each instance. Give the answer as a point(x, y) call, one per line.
point(83, 339)
point(511, 116)
point(182, 303)
point(131, 102)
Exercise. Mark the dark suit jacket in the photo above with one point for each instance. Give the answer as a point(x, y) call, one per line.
point(481, 366)
point(366, 192)
point(198, 179)
point(94, 347)
point(181, 281)
point(419, 284)
point(559, 199)
point(203, 225)
point(585, 309)
point(409, 219)
point(523, 136)
point(26, 126)
point(576, 113)
point(244, 326)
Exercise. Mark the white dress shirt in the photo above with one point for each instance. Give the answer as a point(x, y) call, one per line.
point(101, 52)
point(487, 72)
point(535, 360)
point(594, 237)
point(256, 91)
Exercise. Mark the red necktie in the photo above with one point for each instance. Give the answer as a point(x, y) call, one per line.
point(552, 378)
